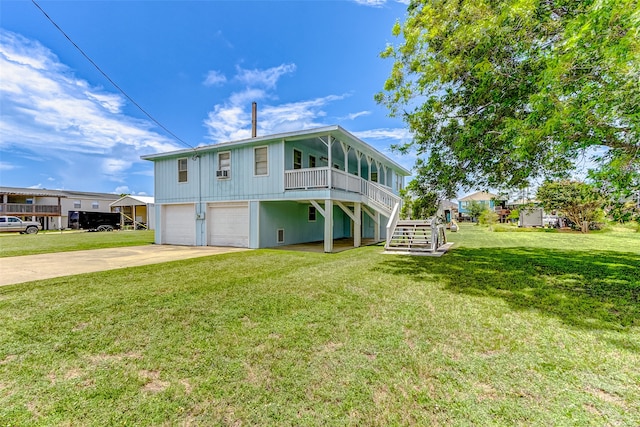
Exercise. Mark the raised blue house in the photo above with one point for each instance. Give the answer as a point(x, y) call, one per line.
point(314, 185)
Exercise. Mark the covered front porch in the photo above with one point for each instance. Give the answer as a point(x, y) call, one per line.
point(330, 221)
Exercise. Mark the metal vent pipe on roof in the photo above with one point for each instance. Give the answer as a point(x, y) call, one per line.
point(254, 119)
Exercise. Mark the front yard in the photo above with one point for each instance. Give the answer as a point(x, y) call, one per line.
point(14, 244)
point(506, 329)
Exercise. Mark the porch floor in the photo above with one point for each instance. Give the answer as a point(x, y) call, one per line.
point(339, 245)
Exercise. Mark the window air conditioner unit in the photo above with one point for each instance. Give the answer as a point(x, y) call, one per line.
point(222, 174)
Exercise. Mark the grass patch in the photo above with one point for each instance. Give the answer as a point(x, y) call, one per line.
point(507, 329)
point(14, 244)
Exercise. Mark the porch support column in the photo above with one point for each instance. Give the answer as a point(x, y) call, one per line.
point(328, 224)
point(345, 150)
point(369, 168)
point(376, 232)
point(358, 154)
point(357, 225)
point(135, 224)
point(356, 217)
point(330, 161)
point(59, 214)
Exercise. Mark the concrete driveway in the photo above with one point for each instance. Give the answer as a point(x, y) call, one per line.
point(26, 268)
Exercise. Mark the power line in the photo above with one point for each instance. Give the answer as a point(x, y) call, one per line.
point(111, 81)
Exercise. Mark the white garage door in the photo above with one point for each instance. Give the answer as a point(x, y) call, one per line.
point(228, 225)
point(179, 225)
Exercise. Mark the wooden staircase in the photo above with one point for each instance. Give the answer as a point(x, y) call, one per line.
point(417, 236)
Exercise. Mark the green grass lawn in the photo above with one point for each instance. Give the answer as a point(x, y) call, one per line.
point(506, 329)
point(14, 244)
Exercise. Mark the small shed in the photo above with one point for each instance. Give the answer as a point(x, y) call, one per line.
point(531, 217)
point(137, 212)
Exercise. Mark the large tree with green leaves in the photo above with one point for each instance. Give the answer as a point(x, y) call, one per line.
point(418, 202)
point(497, 92)
point(580, 202)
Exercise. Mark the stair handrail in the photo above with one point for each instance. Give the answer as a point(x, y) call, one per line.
point(134, 221)
point(392, 223)
point(379, 194)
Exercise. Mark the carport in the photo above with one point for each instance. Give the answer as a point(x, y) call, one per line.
point(137, 211)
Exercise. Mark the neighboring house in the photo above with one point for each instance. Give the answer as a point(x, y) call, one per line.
point(448, 209)
point(489, 200)
point(482, 197)
point(138, 212)
point(297, 187)
point(51, 207)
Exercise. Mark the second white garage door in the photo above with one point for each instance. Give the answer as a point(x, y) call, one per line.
point(228, 225)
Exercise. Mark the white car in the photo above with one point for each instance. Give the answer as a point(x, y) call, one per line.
point(14, 224)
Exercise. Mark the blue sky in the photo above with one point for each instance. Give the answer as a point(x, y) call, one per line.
point(195, 66)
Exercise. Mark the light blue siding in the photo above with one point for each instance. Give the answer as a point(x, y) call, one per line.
point(270, 207)
point(254, 225)
point(293, 218)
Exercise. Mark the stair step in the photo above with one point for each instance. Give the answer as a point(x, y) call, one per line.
point(401, 249)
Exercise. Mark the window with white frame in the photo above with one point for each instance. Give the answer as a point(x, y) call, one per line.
point(224, 165)
point(183, 174)
point(280, 235)
point(297, 159)
point(77, 204)
point(261, 161)
point(95, 205)
point(312, 214)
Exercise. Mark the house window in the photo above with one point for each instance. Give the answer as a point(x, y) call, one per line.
point(312, 214)
point(29, 201)
point(374, 176)
point(312, 161)
point(224, 165)
point(297, 159)
point(182, 170)
point(261, 161)
point(280, 236)
point(95, 205)
point(77, 204)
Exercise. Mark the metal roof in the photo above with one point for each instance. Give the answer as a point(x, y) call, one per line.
point(480, 195)
point(133, 201)
point(38, 192)
point(43, 192)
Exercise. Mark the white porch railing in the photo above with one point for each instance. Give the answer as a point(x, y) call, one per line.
point(341, 180)
point(379, 196)
point(302, 179)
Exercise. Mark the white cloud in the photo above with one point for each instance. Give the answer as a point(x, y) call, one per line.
point(6, 166)
point(247, 96)
point(266, 78)
point(378, 3)
point(354, 116)
point(49, 113)
point(372, 3)
point(231, 120)
point(111, 102)
point(397, 134)
point(214, 78)
point(122, 189)
point(115, 166)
